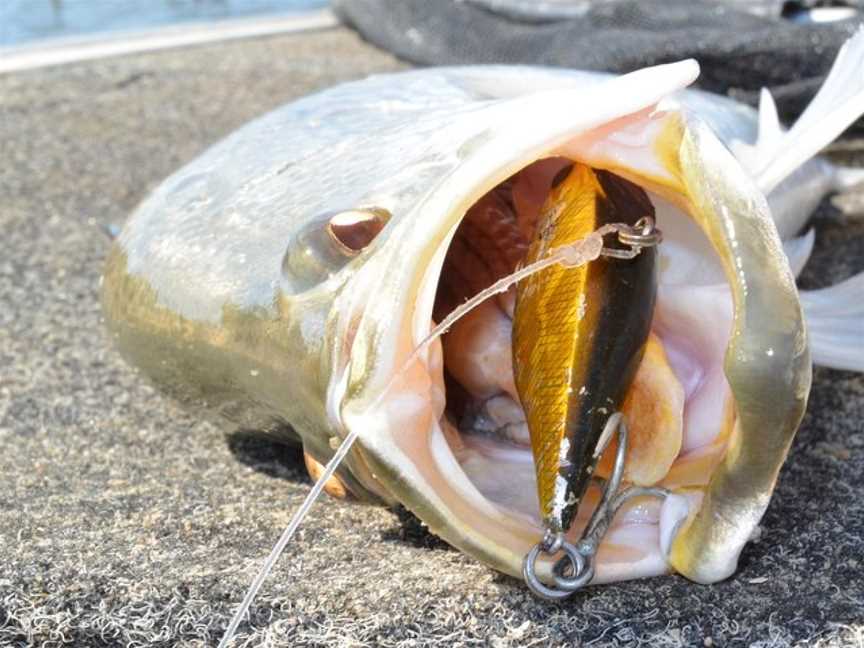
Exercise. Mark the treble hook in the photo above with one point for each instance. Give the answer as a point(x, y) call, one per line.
point(575, 568)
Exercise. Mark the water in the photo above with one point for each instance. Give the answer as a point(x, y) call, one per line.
point(24, 21)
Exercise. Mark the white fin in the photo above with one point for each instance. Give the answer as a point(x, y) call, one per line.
point(770, 131)
point(798, 251)
point(846, 177)
point(753, 156)
point(839, 102)
point(835, 319)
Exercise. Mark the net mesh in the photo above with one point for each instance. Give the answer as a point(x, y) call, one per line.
point(741, 46)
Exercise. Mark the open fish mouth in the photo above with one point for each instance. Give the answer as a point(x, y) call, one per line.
point(679, 407)
point(715, 401)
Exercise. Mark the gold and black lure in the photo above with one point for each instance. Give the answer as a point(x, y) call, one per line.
point(578, 338)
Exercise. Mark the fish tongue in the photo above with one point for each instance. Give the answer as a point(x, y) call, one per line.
point(579, 334)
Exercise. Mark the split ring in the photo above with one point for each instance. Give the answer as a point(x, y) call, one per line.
point(571, 555)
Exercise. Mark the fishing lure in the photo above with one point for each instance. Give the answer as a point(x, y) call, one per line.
point(578, 338)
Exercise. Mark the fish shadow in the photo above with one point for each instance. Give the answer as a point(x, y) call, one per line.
point(268, 456)
point(411, 531)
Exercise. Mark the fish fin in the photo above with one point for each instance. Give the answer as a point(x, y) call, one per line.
point(846, 178)
point(839, 102)
point(770, 131)
point(835, 320)
point(798, 250)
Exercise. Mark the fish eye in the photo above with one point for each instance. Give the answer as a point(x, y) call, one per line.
point(355, 229)
point(327, 243)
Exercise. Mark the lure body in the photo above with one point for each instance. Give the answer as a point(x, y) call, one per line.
point(579, 335)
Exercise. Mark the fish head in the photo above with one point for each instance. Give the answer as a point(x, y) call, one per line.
point(728, 323)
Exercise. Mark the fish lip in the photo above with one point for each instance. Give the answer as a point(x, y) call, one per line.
point(357, 395)
point(767, 365)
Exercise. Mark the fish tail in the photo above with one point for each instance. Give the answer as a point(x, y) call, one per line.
point(835, 320)
point(839, 102)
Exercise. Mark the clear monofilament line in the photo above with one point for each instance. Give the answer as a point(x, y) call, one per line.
point(573, 255)
point(286, 536)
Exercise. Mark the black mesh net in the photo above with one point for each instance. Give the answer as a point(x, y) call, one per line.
point(742, 45)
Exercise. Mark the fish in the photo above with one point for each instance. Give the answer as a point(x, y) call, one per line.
point(287, 279)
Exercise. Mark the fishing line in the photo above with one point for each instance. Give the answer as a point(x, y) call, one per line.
point(572, 255)
point(286, 536)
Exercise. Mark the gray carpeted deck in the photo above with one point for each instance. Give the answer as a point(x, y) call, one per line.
point(126, 522)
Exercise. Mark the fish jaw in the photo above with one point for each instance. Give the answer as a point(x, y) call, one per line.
point(767, 364)
point(395, 396)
